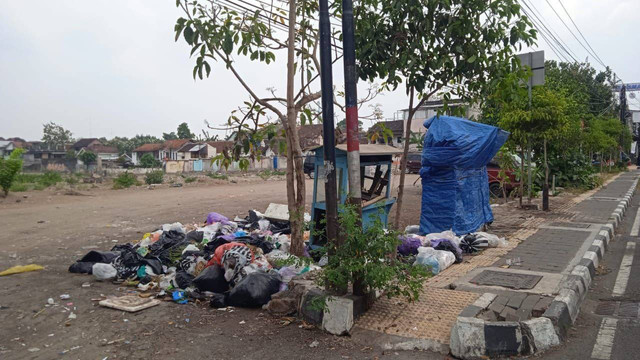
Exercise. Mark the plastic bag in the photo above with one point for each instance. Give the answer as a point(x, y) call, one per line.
point(218, 301)
point(428, 259)
point(183, 279)
point(214, 217)
point(412, 229)
point(173, 227)
point(448, 245)
point(409, 245)
point(444, 258)
point(276, 256)
point(81, 267)
point(105, 257)
point(211, 279)
point(254, 290)
point(443, 235)
point(104, 271)
point(493, 240)
point(264, 224)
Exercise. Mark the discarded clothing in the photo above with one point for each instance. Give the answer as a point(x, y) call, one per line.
point(221, 250)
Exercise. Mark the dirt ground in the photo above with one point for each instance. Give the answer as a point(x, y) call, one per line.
point(53, 229)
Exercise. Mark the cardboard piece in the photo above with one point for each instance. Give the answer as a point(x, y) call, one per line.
point(130, 303)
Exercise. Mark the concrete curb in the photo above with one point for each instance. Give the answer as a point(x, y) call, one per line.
point(473, 338)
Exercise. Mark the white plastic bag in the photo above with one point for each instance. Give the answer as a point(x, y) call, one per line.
point(449, 235)
point(412, 229)
point(175, 226)
point(209, 231)
point(104, 271)
point(426, 258)
point(493, 240)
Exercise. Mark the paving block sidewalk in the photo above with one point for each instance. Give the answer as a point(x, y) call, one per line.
point(547, 245)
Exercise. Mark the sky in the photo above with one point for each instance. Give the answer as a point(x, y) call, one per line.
point(112, 68)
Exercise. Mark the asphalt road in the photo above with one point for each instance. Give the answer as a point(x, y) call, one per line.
point(608, 326)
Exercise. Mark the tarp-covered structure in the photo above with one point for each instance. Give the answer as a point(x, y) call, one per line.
point(455, 184)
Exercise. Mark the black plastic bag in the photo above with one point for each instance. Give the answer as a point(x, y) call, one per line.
point(254, 290)
point(256, 241)
point(184, 279)
point(211, 279)
point(446, 244)
point(154, 263)
point(212, 245)
point(195, 236)
point(105, 257)
point(127, 263)
point(80, 267)
point(218, 301)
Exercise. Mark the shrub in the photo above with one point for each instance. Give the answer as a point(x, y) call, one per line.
point(125, 180)
point(148, 161)
point(190, 179)
point(19, 187)
point(50, 178)
point(365, 254)
point(71, 180)
point(154, 177)
point(9, 168)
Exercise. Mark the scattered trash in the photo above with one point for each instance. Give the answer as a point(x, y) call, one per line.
point(65, 297)
point(179, 297)
point(33, 349)
point(242, 322)
point(130, 303)
point(50, 301)
point(514, 262)
point(71, 316)
point(86, 285)
point(104, 271)
point(21, 269)
point(314, 344)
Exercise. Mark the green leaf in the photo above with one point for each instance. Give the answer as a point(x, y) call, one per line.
point(471, 59)
point(188, 35)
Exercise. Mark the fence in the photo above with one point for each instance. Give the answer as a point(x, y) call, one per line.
point(205, 165)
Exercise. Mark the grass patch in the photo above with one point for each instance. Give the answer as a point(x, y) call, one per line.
point(190, 179)
point(19, 187)
point(265, 174)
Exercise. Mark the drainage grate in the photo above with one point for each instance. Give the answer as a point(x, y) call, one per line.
point(628, 309)
point(606, 308)
point(624, 309)
point(506, 279)
point(570, 225)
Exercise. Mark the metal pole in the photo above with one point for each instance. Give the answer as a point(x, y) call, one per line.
point(326, 83)
point(351, 97)
point(530, 84)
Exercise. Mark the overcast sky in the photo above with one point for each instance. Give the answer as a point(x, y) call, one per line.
point(111, 68)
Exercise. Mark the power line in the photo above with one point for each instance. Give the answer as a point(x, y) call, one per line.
point(560, 44)
point(580, 32)
point(541, 31)
point(572, 33)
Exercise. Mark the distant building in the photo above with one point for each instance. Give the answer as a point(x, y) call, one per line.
point(167, 150)
point(431, 108)
point(397, 132)
point(105, 153)
point(6, 147)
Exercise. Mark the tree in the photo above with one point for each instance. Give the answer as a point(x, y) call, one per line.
point(88, 157)
point(9, 168)
point(126, 145)
point(148, 161)
point(184, 132)
point(169, 136)
point(55, 136)
point(222, 33)
point(452, 47)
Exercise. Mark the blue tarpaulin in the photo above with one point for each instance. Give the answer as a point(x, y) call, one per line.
point(455, 184)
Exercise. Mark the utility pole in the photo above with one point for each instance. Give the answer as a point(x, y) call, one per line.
point(353, 130)
point(351, 97)
point(328, 138)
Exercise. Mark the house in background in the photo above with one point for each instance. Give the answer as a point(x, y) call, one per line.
point(6, 147)
point(104, 152)
point(397, 132)
point(167, 150)
point(191, 151)
point(431, 108)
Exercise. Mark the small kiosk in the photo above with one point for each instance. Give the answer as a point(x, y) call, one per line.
point(375, 175)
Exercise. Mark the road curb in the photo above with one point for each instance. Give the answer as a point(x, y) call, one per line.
point(473, 338)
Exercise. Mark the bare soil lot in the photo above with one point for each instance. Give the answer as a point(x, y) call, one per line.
point(53, 230)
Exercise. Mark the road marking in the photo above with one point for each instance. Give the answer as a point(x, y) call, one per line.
point(635, 229)
point(625, 270)
point(604, 341)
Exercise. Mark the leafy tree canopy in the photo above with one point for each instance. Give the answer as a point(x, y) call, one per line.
point(55, 136)
point(184, 132)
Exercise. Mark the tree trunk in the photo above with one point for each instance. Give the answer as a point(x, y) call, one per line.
point(521, 174)
point(403, 161)
point(295, 182)
point(545, 189)
point(529, 180)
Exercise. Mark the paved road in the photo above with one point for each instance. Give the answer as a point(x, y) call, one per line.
point(608, 326)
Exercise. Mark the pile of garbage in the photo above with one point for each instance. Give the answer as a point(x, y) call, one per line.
point(438, 251)
point(235, 262)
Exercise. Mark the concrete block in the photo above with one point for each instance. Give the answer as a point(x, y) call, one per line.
point(502, 339)
point(338, 315)
point(542, 333)
point(470, 311)
point(558, 313)
point(575, 283)
point(497, 306)
point(485, 300)
point(597, 251)
point(589, 265)
point(508, 314)
point(516, 300)
point(541, 306)
point(523, 314)
point(467, 339)
point(308, 312)
point(572, 299)
point(590, 255)
point(530, 302)
point(599, 243)
point(584, 273)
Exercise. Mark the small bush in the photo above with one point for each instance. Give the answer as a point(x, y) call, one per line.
point(148, 161)
point(190, 179)
point(154, 177)
point(27, 178)
point(50, 178)
point(39, 186)
point(125, 180)
point(88, 157)
point(9, 169)
point(71, 180)
point(218, 176)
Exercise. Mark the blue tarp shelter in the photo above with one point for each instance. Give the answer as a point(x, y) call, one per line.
point(455, 184)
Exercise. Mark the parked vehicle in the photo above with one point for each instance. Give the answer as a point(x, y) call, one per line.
point(309, 165)
point(493, 170)
point(414, 163)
